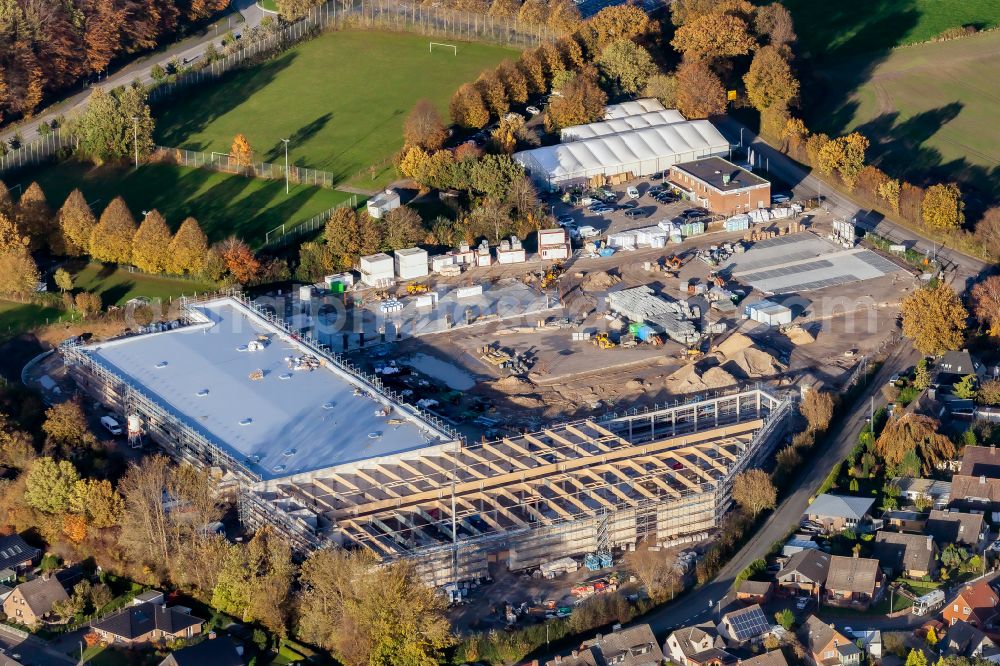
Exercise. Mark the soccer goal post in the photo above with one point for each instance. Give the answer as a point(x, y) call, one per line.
point(431, 46)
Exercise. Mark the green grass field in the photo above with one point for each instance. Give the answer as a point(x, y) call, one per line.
point(118, 285)
point(16, 317)
point(340, 98)
point(832, 30)
point(224, 204)
point(930, 108)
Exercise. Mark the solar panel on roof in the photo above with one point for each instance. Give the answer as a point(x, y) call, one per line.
point(749, 623)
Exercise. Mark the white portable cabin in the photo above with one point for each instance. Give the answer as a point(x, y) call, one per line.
point(377, 270)
point(768, 312)
point(382, 203)
point(411, 263)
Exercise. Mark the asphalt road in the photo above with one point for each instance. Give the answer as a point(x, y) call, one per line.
point(245, 14)
point(804, 184)
point(31, 651)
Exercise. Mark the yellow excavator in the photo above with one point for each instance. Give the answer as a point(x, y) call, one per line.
point(551, 276)
point(417, 288)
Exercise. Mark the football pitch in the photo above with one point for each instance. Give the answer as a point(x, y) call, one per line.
point(339, 99)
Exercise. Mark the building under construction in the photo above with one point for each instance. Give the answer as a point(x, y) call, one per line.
point(330, 456)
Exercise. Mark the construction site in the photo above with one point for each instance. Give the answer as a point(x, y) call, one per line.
point(330, 455)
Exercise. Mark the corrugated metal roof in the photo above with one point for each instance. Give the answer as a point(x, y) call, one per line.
point(632, 108)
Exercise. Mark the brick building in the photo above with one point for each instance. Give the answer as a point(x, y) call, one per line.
point(721, 186)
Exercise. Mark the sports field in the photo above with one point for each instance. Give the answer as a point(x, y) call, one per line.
point(224, 204)
point(832, 30)
point(117, 286)
point(931, 108)
point(340, 98)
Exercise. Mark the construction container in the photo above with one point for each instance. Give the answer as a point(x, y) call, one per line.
point(427, 300)
point(643, 332)
point(338, 283)
point(551, 237)
point(692, 229)
point(768, 312)
point(377, 270)
point(513, 256)
point(469, 292)
point(554, 252)
point(305, 292)
point(411, 263)
point(442, 260)
point(737, 223)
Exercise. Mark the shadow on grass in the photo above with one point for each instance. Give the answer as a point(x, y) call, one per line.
point(300, 137)
point(190, 112)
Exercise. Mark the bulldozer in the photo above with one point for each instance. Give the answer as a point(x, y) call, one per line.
point(417, 288)
point(603, 341)
point(692, 354)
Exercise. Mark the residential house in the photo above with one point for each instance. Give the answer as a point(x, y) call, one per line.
point(870, 639)
point(698, 645)
point(955, 365)
point(912, 554)
point(147, 622)
point(772, 658)
point(755, 591)
point(975, 604)
point(853, 582)
point(904, 521)
point(635, 646)
point(216, 650)
point(744, 625)
point(957, 527)
point(16, 556)
point(825, 646)
point(32, 602)
point(805, 573)
point(576, 658)
point(965, 640)
point(838, 512)
point(911, 489)
point(798, 542)
point(976, 486)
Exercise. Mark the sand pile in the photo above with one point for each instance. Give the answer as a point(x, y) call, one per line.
point(756, 362)
point(599, 281)
point(733, 344)
point(691, 379)
point(513, 385)
point(800, 336)
point(526, 401)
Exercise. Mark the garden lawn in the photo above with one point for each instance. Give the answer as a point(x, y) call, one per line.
point(340, 99)
point(117, 286)
point(15, 318)
point(832, 30)
point(224, 204)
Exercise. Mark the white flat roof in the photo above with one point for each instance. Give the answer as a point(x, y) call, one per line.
point(632, 108)
point(299, 420)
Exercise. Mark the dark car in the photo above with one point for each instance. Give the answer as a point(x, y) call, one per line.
point(657, 176)
point(628, 205)
point(636, 213)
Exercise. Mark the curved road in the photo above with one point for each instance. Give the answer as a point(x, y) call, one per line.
point(242, 14)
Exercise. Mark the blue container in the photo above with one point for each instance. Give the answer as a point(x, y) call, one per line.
point(644, 332)
point(606, 251)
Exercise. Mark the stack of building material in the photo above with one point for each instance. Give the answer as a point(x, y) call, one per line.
point(511, 252)
point(738, 223)
point(463, 255)
point(688, 229)
point(623, 240)
point(651, 236)
point(441, 261)
point(377, 270)
point(768, 312)
point(339, 282)
point(483, 256)
point(642, 305)
point(553, 244)
point(411, 263)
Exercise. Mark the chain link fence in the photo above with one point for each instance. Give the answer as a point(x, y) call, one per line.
point(38, 151)
point(284, 234)
point(394, 15)
point(226, 163)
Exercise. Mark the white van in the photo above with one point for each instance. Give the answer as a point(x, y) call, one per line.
point(632, 192)
point(111, 425)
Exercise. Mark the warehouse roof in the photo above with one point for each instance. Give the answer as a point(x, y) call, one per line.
point(632, 108)
point(299, 415)
point(578, 158)
point(618, 125)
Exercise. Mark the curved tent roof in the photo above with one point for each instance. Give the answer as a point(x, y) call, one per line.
point(632, 108)
point(640, 152)
point(619, 125)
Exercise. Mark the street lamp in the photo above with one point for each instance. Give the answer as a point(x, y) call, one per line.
point(135, 138)
point(285, 141)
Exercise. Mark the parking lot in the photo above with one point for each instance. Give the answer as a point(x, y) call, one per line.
point(620, 211)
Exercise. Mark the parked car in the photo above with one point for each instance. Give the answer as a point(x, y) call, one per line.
point(533, 110)
point(781, 198)
point(111, 425)
point(632, 192)
point(802, 602)
point(566, 221)
point(636, 213)
point(627, 205)
point(657, 176)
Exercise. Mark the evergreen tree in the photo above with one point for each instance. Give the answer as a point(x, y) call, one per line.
point(111, 239)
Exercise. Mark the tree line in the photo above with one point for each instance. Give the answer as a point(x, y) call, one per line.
point(48, 46)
